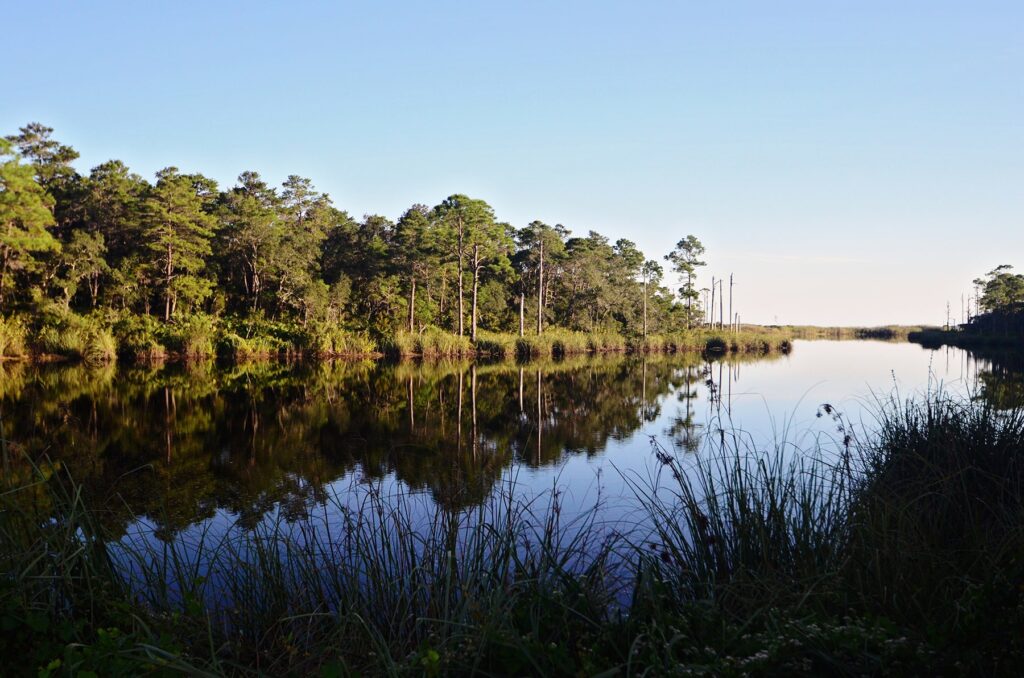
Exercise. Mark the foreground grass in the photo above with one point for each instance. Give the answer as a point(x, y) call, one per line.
point(897, 554)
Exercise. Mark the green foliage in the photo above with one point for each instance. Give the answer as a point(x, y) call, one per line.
point(67, 334)
point(605, 342)
point(193, 337)
point(178, 232)
point(431, 342)
point(496, 344)
point(328, 339)
point(13, 338)
point(24, 217)
point(139, 336)
point(308, 276)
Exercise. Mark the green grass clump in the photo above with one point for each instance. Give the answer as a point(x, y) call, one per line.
point(13, 338)
point(605, 342)
point(567, 342)
point(192, 337)
point(438, 343)
point(69, 335)
point(139, 337)
point(235, 347)
point(496, 344)
point(652, 343)
point(331, 340)
point(535, 345)
point(347, 343)
point(402, 343)
point(430, 343)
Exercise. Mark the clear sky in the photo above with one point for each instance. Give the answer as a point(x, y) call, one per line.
point(850, 162)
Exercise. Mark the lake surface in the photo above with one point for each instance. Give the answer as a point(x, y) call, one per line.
point(169, 450)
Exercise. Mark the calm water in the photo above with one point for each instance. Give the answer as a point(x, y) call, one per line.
point(173, 449)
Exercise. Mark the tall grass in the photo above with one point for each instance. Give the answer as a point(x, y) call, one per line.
point(13, 338)
point(715, 341)
point(898, 552)
point(69, 335)
point(496, 344)
point(431, 342)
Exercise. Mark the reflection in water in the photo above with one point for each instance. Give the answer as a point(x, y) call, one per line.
point(175, 444)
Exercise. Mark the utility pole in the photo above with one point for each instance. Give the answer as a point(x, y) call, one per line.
point(721, 304)
point(730, 303)
point(711, 316)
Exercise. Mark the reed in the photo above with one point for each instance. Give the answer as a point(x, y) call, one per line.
point(896, 551)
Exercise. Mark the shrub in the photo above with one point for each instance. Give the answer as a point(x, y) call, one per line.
point(568, 342)
point(12, 338)
point(231, 345)
point(652, 343)
point(193, 337)
point(431, 342)
point(99, 346)
point(67, 334)
point(605, 342)
point(138, 336)
point(535, 345)
point(437, 343)
point(496, 344)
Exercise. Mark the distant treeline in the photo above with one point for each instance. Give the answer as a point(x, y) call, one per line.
point(110, 261)
point(885, 333)
point(996, 319)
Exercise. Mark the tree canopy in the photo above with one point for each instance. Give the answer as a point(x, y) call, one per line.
point(177, 245)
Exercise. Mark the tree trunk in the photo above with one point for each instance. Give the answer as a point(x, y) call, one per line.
point(689, 299)
point(167, 284)
point(476, 286)
point(645, 306)
point(412, 305)
point(540, 290)
point(522, 313)
point(3, 273)
point(461, 266)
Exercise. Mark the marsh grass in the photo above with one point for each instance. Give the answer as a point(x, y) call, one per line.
point(13, 338)
point(893, 552)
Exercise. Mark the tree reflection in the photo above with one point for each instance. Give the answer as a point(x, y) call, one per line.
point(176, 443)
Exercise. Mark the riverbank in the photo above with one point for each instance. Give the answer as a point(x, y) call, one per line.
point(935, 338)
point(899, 559)
point(107, 336)
point(882, 333)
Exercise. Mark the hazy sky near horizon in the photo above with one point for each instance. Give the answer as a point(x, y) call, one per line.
point(850, 162)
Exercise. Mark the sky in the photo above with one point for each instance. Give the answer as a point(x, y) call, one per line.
point(850, 163)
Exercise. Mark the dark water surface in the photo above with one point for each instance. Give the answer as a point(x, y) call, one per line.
point(168, 450)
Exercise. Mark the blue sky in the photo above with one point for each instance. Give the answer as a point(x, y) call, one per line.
point(850, 162)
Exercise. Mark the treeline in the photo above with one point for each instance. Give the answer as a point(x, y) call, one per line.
point(992, 317)
point(110, 261)
point(999, 303)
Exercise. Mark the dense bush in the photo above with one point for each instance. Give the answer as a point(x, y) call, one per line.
point(192, 337)
point(496, 344)
point(139, 336)
point(13, 338)
point(67, 334)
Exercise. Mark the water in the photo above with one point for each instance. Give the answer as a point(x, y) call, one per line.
point(168, 451)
